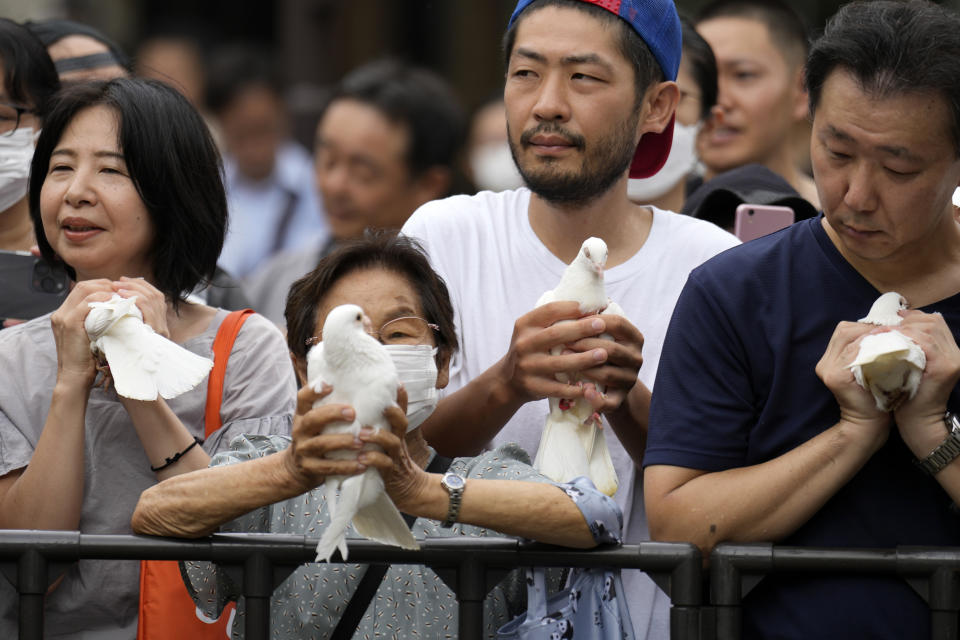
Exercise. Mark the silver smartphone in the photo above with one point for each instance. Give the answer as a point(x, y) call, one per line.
point(30, 286)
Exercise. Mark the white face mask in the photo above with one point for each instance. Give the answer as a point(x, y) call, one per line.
point(16, 151)
point(417, 369)
point(493, 167)
point(680, 162)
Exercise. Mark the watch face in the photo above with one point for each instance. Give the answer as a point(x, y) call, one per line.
point(453, 481)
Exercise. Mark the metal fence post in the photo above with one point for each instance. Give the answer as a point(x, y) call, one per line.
point(257, 590)
point(32, 586)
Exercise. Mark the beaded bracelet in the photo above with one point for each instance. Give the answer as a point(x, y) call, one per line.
point(177, 456)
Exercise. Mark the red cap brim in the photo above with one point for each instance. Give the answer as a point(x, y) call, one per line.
point(652, 152)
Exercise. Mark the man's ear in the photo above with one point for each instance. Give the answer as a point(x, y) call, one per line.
point(659, 104)
point(801, 105)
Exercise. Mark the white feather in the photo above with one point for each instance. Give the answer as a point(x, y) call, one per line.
point(889, 365)
point(362, 375)
point(143, 364)
point(573, 443)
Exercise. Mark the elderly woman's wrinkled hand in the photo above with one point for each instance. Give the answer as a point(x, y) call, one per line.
point(305, 458)
point(403, 478)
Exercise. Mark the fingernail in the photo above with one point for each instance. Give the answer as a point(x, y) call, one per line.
point(362, 459)
point(597, 324)
point(366, 431)
point(599, 355)
point(347, 413)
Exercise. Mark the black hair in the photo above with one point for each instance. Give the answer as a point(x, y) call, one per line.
point(703, 66)
point(892, 48)
point(375, 250)
point(236, 68)
point(787, 30)
point(173, 163)
point(54, 30)
point(415, 98)
point(646, 69)
point(29, 77)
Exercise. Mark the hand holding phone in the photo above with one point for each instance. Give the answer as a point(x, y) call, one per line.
point(756, 220)
point(30, 286)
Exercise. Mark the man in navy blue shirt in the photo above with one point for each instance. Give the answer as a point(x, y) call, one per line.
point(758, 430)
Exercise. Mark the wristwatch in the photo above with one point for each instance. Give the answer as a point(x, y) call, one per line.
point(454, 485)
point(949, 449)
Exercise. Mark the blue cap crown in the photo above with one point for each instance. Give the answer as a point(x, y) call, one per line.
point(656, 21)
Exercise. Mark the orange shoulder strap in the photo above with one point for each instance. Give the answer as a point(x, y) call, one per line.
point(222, 346)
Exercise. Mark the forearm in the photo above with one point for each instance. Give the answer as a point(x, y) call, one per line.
point(764, 502)
point(162, 435)
point(465, 421)
point(192, 505)
point(533, 510)
point(48, 493)
point(631, 420)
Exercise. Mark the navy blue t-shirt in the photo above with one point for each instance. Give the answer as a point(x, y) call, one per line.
point(736, 386)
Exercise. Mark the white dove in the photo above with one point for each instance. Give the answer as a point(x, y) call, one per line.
point(888, 364)
point(143, 364)
point(362, 375)
point(573, 441)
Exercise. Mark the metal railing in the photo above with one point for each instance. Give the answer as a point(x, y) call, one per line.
point(932, 572)
point(260, 562)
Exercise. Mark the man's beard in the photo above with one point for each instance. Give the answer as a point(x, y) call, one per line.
point(604, 162)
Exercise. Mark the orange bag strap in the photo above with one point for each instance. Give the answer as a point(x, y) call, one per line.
point(222, 346)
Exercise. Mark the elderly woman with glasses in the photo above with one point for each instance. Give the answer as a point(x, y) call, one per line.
point(274, 489)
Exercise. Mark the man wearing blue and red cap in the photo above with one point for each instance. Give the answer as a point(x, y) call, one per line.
point(590, 98)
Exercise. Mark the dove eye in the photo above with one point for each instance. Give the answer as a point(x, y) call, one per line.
point(358, 316)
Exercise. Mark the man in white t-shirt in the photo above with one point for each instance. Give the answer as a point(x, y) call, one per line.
point(589, 94)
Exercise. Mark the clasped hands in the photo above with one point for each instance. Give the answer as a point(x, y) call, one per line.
point(920, 419)
point(530, 368)
point(305, 459)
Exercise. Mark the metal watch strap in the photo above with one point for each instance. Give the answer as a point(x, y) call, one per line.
point(947, 451)
point(454, 486)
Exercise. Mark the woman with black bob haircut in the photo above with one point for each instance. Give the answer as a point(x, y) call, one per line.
point(125, 191)
point(174, 165)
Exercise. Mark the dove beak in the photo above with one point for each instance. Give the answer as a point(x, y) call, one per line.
point(367, 324)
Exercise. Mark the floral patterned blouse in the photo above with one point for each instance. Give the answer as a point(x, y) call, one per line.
point(412, 601)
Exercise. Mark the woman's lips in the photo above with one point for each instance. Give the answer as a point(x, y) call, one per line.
point(79, 229)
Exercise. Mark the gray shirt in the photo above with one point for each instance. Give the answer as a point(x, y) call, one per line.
point(98, 599)
point(412, 601)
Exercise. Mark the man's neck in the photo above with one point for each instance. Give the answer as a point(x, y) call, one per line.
point(924, 272)
point(16, 228)
point(623, 225)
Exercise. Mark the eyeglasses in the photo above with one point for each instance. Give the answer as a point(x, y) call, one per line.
point(10, 117)
point(406, 330)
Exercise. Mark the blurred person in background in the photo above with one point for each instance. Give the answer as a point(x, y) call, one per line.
point(271, 190)
point(29, 82)
point(760, 47)
point(386, 143)
point(176, 60)
point(79, 51)
point(697, 79)
point(490, 164)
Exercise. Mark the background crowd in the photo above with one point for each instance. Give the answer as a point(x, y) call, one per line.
point(464, 159)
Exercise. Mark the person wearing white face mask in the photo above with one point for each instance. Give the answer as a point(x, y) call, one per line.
point(488, 150)
point(29, 81)
point(394, 284)
point(697, 79)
